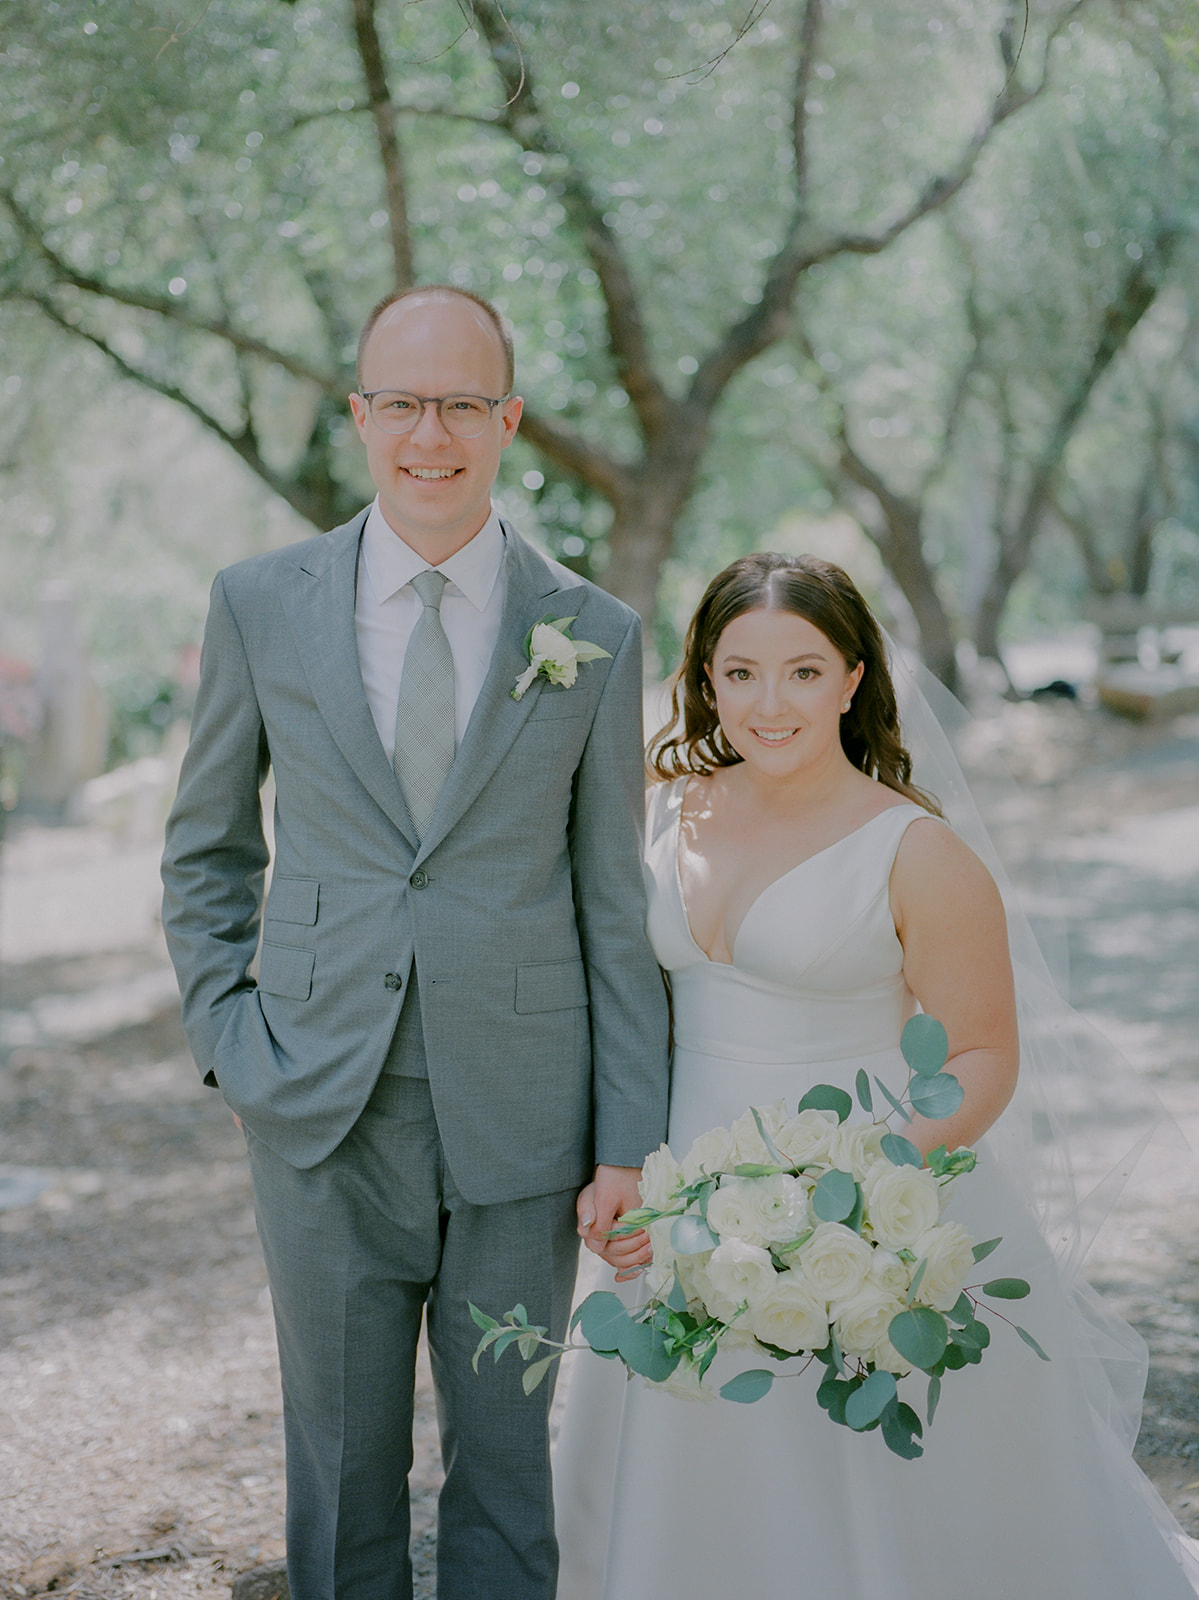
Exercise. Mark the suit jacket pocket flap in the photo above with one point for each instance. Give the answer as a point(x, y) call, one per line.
point(555, 701)
point(286, 971)
point(293, 900)
point(550, 986)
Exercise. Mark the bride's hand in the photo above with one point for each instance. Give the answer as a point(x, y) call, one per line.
point(600, 1206)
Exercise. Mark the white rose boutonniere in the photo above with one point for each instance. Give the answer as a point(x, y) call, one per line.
point(554, 655)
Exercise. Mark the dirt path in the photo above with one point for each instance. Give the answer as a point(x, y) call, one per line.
point(140, 1438)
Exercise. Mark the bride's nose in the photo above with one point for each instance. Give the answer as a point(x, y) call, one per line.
point(770, 695)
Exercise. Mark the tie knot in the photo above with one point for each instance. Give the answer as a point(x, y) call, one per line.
point(430, 586)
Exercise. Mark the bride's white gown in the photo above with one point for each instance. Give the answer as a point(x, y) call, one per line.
point(1023, 1492)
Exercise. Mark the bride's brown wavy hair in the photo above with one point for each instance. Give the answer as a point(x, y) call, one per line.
point(693, 740)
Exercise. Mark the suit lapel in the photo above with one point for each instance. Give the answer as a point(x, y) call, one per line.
point(318, 595)
point(497, 718)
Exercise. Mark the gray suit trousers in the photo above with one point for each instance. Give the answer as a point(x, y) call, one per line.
point(357, 1248)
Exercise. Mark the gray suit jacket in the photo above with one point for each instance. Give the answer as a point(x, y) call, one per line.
point(521, 912)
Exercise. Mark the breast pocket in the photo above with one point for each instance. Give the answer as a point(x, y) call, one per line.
point(555, 704)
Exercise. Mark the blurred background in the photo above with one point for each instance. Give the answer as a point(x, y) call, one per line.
point(912, 285)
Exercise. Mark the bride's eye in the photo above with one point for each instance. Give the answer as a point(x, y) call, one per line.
point(804, 673)
point(738, 674)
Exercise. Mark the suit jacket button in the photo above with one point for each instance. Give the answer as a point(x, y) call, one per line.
point(393, 981)
point(419, 879)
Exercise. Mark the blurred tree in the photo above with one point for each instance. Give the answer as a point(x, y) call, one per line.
point(645, 188)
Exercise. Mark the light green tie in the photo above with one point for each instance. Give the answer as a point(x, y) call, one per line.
point(424, 745)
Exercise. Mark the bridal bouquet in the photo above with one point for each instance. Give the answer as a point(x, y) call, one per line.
point(801, 1234)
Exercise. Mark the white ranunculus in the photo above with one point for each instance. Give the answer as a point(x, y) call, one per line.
point(789, 1315)
point(759, 1210)
point(661, 1178)
point(901, 1204)
point(889, 1272)
point(710, 1153)
point(861, 1320)
point(747, 1143)
point(835, 1261)
point(949, 1252)
point(855, 1147)
point(734, 1273)
point(806, 1137)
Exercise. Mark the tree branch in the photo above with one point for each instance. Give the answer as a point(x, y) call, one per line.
point(374, 71)
point(574, 454)
point(523, 120)
point(169, 309)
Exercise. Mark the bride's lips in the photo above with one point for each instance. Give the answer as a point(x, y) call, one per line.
point(774, 736)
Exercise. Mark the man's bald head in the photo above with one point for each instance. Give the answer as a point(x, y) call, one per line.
point(435, 292)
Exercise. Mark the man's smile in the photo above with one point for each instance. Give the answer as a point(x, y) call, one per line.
point(428, 474)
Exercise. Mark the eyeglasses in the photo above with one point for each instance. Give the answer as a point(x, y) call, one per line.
point(463, 415)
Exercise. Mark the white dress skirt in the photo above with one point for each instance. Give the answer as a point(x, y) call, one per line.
point(1024, 1490)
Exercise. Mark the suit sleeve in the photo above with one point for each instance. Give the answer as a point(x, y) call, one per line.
point(216, 854)
point(626, 992)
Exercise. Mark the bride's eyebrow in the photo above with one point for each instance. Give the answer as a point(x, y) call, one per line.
point(748, 661)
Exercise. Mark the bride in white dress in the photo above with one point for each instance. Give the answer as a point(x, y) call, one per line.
point(804, 900)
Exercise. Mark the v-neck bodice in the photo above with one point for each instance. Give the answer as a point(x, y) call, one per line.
point(817, 969)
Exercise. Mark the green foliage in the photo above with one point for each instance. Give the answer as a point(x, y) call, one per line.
point(825, 1097)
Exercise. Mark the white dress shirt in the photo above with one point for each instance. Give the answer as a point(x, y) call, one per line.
point(387, 606)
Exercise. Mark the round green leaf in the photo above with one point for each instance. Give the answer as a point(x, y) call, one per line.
point(900, 1152)
point(691, 1236)
point(825, 1097)
point(867, 1404)
point(1006, 1288)
point(747, 1387)
point(643, 1349)
point(835, 1197)
point(602, 1316)
point(925, 1045)
point(901, 1429)
point(920, 1335)
point(936, 1097)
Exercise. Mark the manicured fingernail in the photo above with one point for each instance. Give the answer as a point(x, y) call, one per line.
point(585, 1222)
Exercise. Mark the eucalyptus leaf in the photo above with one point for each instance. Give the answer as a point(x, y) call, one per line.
point(917, 1280)
point(900, 1152)
point(901, 1429)
point(963, 1310)
point(757, 1169)
point(835, 1197)
point(833, 1395)
point(982, 1251)
point(481, 1318)
point(602, 1317)
point(920, 1335)
point(825, 1097)
point(747, 1387)
point(937, 1097)
point(896, 1105)
point(643, 1348)
point(691, 1236)
point(1031, 1342)
point(925, 1045)
point(867, 1404)
point(772, 1149)
point(865, 1099)
point(1006, 1289)
point(533, 1375)
point(934, 1396)
point(676, 1299)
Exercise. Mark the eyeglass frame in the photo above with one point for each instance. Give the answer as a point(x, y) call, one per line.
point(437, 400)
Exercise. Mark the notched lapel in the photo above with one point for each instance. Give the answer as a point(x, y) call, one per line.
point(318, 596)
point(497, 718)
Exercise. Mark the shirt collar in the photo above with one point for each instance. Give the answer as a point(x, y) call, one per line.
point(390, 563)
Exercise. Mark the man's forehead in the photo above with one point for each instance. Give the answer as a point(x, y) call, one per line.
point(416, 310)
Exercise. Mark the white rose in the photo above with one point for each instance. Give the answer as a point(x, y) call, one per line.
point(747, 1143)
point(734, 1273)
point(901, 1204)
point(835, 1261)
point(661, 1178)
point(861, 1320)
point(710, 1153)
point(889, 1272)
point(856, 1147)
point(885, 1355)
point(806, 1137)
point(948, 1251)
point(789, 1315)
point(555, 653)
point(759, 1210)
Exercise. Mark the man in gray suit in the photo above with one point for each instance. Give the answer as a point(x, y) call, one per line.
point(457, 1020)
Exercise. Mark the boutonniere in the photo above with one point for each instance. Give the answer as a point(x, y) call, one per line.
point(554, 655)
